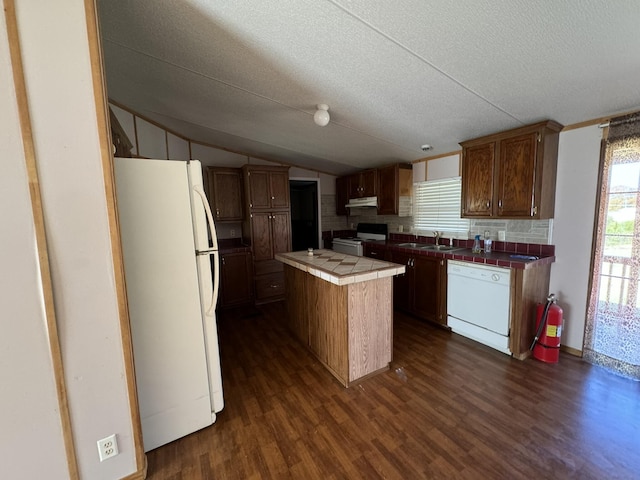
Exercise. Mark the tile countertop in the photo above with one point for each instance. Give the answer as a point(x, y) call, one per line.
point(340, 268)
point(500, 259)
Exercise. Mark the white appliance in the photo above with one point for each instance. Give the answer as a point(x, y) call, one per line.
point(169, 245)
point(362, 202)
point(365, 231)
point(478, 303)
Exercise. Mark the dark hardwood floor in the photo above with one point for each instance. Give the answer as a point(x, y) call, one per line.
point(448, 408)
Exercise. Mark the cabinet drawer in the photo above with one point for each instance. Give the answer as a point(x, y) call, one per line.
point(268, 266)
point(269, 285)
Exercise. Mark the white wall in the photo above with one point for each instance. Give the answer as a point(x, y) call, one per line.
point(63, 115)
point(577, 184)
point(28, 403)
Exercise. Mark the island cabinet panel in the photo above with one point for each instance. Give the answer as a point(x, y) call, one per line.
point(347, 327)
point(297, 316)
point(328, 324)
point(370, 333)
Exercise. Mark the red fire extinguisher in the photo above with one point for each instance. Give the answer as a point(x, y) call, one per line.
point(546, 344)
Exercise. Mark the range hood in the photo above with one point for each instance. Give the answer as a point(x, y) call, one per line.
point(362, 202)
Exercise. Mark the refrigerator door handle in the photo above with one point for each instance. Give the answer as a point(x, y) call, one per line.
point(207, 210)
point(216, 283)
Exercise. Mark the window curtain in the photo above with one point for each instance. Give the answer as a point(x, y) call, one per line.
point(612, 329)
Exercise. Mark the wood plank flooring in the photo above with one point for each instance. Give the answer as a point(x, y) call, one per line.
point(448, 408)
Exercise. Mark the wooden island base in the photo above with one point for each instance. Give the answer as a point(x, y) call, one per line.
point(349, 328)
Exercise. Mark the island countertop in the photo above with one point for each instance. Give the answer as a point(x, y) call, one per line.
point(340, 268)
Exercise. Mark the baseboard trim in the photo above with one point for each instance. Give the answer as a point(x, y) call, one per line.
point(571, 351)
point(140, 474)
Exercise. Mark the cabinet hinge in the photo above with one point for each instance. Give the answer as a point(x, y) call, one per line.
point(535, 210)
point(539, 137)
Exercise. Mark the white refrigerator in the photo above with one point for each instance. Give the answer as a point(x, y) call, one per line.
point(169, 247)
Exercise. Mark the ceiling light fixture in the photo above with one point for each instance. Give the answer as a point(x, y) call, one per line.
point(321, 117)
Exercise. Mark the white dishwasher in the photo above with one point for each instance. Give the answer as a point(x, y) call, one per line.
point(479, 302)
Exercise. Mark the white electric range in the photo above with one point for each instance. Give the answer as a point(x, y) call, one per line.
point(365, 231)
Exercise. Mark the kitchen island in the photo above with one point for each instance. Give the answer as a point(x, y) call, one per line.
point(341, 308)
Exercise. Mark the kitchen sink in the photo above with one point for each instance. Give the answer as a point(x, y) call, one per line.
point(411, 245)
point(440, 248)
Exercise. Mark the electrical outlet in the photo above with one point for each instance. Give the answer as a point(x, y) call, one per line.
point(232, 232)
point(107, 447)
point(353, 225)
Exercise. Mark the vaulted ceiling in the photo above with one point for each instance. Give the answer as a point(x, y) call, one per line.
point(247, 74)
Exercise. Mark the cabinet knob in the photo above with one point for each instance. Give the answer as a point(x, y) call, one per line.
point(488, 204)
point(273, 198)
point(500, 203)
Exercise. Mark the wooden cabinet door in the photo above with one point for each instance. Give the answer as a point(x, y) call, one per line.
point(261, 236)
point(402, 284)
point(281, 232)
point(225, 193)
point(427, 291)
point(478, 169)
point(259, 189)
point(279, 189)
point(369, 183)
point(235, 279)
point(516, 184)
point(268, 189)
point(378, 252)
point(388, 190)
point(342, 195)
point(354, 186)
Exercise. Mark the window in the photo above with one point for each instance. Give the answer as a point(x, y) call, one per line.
point(437, 206)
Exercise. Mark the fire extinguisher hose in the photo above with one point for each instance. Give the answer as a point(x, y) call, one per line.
point(551, 299)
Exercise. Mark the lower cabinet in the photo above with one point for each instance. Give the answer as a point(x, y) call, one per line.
point(235, 279)
point(269, 281)
point(375, 251)
point(421, 291)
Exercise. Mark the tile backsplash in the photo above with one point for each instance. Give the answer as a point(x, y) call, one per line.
point(517, 231)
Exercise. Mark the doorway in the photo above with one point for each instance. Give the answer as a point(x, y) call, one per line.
point(304, 214)
point(612, 331)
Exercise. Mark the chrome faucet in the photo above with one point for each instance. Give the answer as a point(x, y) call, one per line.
point(437, 235)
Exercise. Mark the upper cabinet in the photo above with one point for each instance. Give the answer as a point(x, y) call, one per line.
point(395, 187)
point(511, 174)
point(342, 195)
point(363, 184)
point(225, 193)
point(267, 187)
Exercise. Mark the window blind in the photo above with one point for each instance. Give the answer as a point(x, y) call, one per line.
point(437, 206)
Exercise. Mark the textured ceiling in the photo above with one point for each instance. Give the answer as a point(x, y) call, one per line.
point(247, 74)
